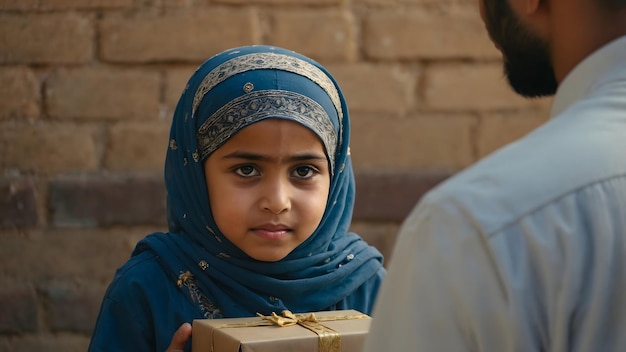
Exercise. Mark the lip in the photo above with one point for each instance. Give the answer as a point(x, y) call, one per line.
point(272, 231)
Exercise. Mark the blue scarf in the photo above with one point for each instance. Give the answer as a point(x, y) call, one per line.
point(324, 269)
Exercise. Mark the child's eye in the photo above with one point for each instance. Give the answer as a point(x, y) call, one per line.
point(304, 172)
point(246, 171)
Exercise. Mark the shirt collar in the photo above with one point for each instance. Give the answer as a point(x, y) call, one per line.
point(588, 73)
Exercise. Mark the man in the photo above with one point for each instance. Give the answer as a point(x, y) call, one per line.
point(526, 250)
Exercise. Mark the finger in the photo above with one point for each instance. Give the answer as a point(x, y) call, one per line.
point(180, 338)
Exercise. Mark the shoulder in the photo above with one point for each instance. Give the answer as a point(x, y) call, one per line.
point(563, 156)
point(125, 321)
point(141, 308)
point(138, 277)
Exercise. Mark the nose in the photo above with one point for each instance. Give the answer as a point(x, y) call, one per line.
point(276, 196)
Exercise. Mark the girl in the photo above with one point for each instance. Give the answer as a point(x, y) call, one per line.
point(260, 197)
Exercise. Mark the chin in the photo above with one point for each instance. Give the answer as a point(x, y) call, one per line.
point(531, 76)
point(269, 258)
point(531, 85)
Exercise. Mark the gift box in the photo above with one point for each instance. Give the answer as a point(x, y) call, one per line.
point(327, 331)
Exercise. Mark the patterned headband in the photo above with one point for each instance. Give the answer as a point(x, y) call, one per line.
point(259, 61)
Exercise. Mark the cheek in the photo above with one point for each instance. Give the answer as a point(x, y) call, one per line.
point(220, 203)
point(316, 205)
point(230, 211)
point(226, 203)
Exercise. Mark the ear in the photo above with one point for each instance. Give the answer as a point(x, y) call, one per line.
point(536, 12)
point(528, 7)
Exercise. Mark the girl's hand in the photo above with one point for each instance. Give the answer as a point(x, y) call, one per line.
point(180, 338)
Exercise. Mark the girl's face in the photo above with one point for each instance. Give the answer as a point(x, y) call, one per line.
point(268, 186)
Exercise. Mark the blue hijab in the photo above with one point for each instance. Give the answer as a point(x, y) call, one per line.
point(227, 93)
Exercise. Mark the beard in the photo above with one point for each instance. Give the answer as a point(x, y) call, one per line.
point(527, 63)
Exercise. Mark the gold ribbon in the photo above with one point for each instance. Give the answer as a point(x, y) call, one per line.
point(329, 339)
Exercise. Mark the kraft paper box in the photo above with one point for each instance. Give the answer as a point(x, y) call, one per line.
point(339, 330)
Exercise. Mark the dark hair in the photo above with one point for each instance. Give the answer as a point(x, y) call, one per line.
point(613, 4)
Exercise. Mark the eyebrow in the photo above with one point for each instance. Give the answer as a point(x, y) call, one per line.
point(259, 157)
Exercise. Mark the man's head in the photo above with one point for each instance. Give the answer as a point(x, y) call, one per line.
point(526, 56)
point(542, 40)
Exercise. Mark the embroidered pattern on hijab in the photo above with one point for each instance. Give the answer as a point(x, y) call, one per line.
point(255, 106)
point(327, 267)
point(266, 60)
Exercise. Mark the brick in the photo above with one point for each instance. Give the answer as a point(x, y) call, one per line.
point(70, 307)
point(85, 4)
point(64, 4)
point(103, 94)
point(18, 203)
point(107, 201)
point(381, 235)
point(390, 196)
point(19, 5)
point(175, 83)
point(58, 38)
point(479, 86)
point(88, 256)
point(48, 148)
point(497, 130)
point(169, 4)
point(191, 37)
point(47, 342)
point(377, 88)
point(137, 147)
point(19, 93)
point(423, 34)
point(18, 309)
point(384, 199)
point(427, 141)
point(320, 34)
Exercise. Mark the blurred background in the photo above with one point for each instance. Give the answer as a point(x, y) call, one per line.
point(87, 90)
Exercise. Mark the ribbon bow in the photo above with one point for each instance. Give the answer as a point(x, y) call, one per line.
point(329, 339)
point(287, 318)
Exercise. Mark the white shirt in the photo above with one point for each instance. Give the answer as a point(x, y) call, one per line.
point(525, 250)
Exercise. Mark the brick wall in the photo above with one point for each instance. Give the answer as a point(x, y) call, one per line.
point(87, 88)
